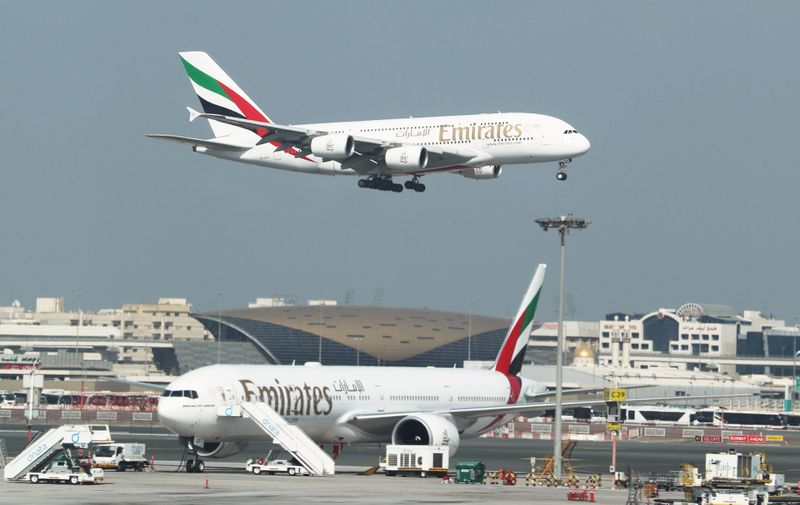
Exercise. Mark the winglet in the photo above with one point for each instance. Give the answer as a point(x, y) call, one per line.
point(193, 114)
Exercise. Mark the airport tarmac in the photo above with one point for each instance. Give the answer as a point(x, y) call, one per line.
point(645, 455)
point(243, 488)
point(229, 483)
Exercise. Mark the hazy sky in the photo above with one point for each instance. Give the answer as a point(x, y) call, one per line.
point(691, 184)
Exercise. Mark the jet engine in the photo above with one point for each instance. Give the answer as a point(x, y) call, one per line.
point(484, 172)
point(426, 429)
point(333, 147)
point(217, 449)
point(407, 158)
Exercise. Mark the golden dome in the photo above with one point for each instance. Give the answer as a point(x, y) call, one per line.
point(584, 351)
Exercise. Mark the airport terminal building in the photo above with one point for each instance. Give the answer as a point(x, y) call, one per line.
point(348, 335)
point(702, 337)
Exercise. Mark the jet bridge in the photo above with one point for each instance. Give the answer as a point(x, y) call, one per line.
point(290, 437)
point(42, 448)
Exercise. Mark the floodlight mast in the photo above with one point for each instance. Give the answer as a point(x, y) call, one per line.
point(563, 224)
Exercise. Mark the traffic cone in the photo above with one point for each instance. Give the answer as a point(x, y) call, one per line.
point(206, 481)
point(591, 494)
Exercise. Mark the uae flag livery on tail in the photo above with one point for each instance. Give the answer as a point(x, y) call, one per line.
point(218, 94)
point(512, 353)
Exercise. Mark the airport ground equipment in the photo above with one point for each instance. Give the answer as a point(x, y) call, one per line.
point(288, 436)
point(66, 470)
point(734, 469)
point(546, 475)
point(42, 448)
point(421, 460)
point(120, 457)
point(470, 472)
point(259, 466)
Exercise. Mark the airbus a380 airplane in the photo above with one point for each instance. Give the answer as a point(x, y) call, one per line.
point(475, 146)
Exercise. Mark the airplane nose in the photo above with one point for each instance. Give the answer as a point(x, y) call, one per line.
point(584, 144)
point(166, 412)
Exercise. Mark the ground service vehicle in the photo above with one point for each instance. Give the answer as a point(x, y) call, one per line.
point(259, 466)
point(120, 456)
point(66, 471)
point(422, 460)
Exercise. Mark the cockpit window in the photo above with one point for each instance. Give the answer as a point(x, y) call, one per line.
point(567, 132)
point(185, 393)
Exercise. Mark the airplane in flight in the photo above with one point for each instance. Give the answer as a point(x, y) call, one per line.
point(475, 146)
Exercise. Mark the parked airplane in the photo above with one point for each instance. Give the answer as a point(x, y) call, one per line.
point(475, 146)
point(216, 410)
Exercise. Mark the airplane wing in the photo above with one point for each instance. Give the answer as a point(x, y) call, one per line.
point(582, 391)
point(210, 144)
point(369, 152)
point(521, 408)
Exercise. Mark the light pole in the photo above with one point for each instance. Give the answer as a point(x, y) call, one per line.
point(469, 332)
point(321, 309)
point(219, 327)
point(563, 224)
point(77, 339)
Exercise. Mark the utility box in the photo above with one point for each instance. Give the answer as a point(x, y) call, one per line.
point(420, 460)
point(470, 472)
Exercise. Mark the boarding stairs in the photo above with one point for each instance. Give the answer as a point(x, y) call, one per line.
point(290, 437)
point(42, 448)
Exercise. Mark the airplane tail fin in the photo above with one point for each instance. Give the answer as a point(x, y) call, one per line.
point(512, 352)
point(218, 94)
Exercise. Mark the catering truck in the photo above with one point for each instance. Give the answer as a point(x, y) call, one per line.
point(120, 457)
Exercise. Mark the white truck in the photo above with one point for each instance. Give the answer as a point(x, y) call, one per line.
point(258, 466)
point(421, 460)
point(66, 471)
point(120, 456)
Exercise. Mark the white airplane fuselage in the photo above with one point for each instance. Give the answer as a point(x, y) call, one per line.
point(321, 399)
point(497, 139)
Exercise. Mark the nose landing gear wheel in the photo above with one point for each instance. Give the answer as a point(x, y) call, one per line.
point(190, 466)
point(561, 175)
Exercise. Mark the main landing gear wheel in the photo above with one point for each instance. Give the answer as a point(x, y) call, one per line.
point(382, 183)
point(415, 185)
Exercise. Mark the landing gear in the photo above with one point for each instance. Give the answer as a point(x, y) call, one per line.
point(381, 182)
point(195, 465)
point(415, 185)
point(561, 175)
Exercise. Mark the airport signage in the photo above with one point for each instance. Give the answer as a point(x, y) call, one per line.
point(747, 439)
point(615, 394)
point(774, 438)
point(614, 427)
point(710, 439)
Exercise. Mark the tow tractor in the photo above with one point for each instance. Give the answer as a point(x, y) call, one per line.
point(258, 466)
point(66, 470)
